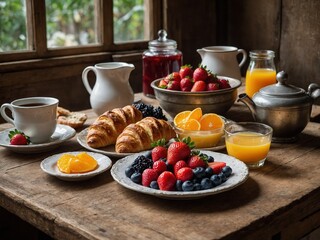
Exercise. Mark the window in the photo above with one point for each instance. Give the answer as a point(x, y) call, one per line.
point(36, 29)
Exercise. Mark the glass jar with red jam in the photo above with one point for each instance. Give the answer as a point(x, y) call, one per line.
point(161, 59)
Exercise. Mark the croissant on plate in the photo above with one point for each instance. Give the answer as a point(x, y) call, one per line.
point(108, 126)
point(139, 136)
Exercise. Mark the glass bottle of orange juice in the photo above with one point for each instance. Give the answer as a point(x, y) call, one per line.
point(261, 71)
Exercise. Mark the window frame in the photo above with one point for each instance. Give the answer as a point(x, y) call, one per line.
point(37, 40)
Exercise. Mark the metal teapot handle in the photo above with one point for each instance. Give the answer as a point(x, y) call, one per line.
point(314, 90)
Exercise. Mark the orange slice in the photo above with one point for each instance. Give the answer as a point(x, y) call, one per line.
point(195, 114)
point(192, 125)
point(181, 117)
point(80, 163)
point(211, 121)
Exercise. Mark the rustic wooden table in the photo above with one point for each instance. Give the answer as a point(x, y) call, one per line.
point(279, 201)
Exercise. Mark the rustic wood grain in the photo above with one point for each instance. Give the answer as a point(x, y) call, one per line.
point(275, 198)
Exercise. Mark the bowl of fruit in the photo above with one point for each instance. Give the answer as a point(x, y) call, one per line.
point(190, 89)
point(204, 130)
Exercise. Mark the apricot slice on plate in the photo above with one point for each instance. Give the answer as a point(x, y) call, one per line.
point(211, 121)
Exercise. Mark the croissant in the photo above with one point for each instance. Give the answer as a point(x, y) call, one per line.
point(138, 136)
point(108, 126)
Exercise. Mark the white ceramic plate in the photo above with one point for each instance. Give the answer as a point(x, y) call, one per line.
point(109, 150)
point(239, 175)
point(61, 134)
point(49, 165)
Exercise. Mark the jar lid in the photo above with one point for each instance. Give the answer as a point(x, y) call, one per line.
point(280, 94)
point(162, 43)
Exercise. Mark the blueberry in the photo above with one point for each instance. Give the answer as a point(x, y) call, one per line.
point(197, 187)
point(179, 185)
point(196, 180)
point(209, 172)
point(129, 171)
point(187, 186)
point(206, 183)
point(227, 171)
point(136, 177)
point(210, 159)
point(199, 172)
point(148, 154)
point(223, 177)
point(154, 185)
point(216, 180)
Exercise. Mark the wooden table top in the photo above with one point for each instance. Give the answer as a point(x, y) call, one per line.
point(283, 196)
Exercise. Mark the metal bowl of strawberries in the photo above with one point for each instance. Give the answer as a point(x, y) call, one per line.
point(212, 93)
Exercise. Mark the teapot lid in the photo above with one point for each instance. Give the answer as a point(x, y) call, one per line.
point(162, 43)
point(281, 94)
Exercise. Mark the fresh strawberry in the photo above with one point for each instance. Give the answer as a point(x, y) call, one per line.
point(223, 83)
point(212, 86)
point(175, 76)
point(158, 151)
point(184, 174)
point(186, 84)
point(148, 176)
point(217, 166)
point(180, 164)
point(18, 138)
point(186, 71)
point(166, 181)
point(159, 166)
point(173, 85)
point(196, 161)
point(199, 86)
point(179, 150)
point(212, 78)
point(163, 84)
point(200, 74)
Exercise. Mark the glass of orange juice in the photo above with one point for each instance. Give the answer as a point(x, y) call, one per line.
point(249, 142)
point(261, 71)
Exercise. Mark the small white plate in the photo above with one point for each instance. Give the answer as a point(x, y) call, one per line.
point(239, 175)
point(108, 150)
point(49, 165)
point(61, 134)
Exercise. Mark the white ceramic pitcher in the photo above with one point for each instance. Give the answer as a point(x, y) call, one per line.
point(222, 60)
point(112, 88)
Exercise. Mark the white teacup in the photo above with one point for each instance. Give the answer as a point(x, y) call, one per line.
point(35, 116)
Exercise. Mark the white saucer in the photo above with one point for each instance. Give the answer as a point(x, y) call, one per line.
point(108, 150)
point(239, 175)
point(49, 165)
point(61, 134)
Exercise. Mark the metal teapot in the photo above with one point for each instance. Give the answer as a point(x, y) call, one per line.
point(284, 107)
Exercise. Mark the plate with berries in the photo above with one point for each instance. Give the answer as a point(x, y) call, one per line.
point(179, 172)
point(16, 141)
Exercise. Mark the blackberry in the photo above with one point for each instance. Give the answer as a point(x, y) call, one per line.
point(141, 163)
point(150, 111)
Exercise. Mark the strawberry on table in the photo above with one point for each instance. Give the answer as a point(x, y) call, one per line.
point(200, 74)
point(199, 86)
point(18, 138)
point(186, 71)
point(166, 181)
